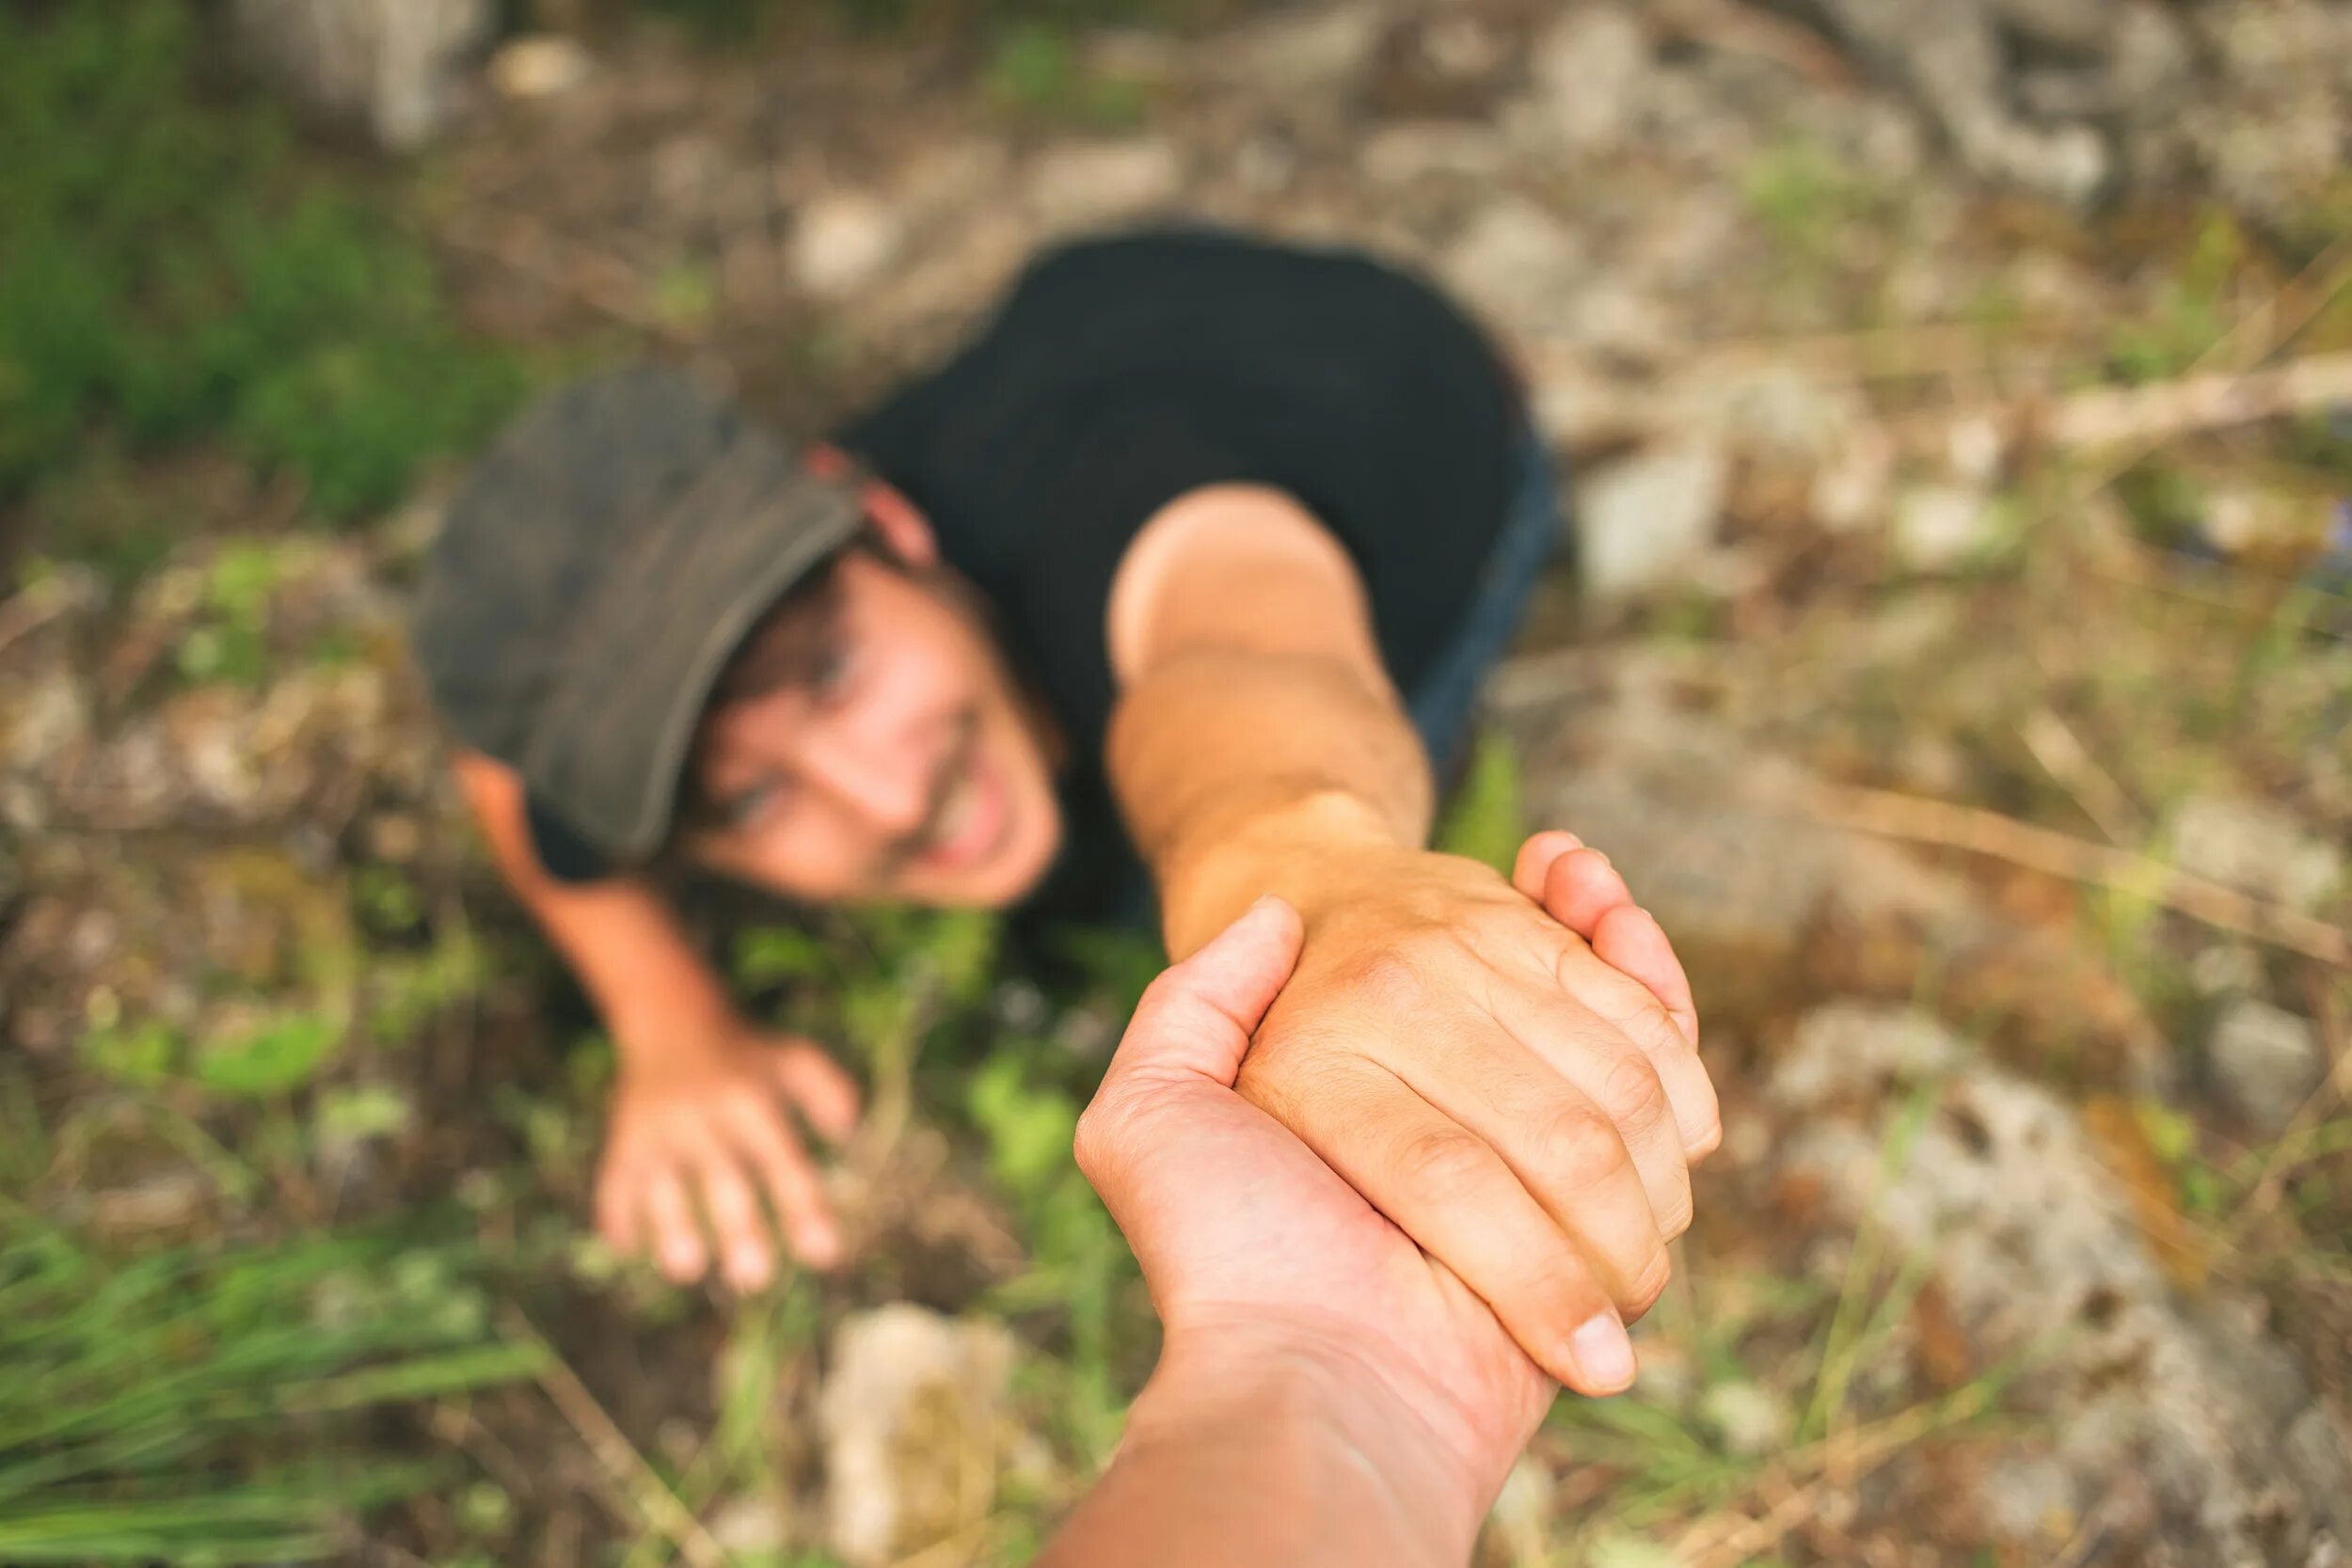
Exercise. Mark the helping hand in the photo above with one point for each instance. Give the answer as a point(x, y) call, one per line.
point(704, 1125)
point(1522, 1106)
point(1253, 1248)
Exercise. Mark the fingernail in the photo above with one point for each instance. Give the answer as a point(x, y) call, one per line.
point(1573, 843)
point(1603, 1353)
point(821, 1248)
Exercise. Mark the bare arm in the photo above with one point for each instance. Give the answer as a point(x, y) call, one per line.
point(618, 936)
point(1253, 707)
point(1524, 1110)
point(1269, 1449)
point(699, 1109)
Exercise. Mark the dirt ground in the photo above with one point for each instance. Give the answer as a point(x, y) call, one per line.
point(1955, 650)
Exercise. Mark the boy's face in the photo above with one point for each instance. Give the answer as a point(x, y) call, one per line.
point(885, 753)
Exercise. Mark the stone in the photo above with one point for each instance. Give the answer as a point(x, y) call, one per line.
point(1749, 1419)
point(2266, 1061)
point(1938, 527)
point(391, 68)
point(540, 65)
point(1588, 67)
point(910, 1410)
point(1518, 262)
point(1316, 53)
point(2257, 846)
point(1083, 184)
point(1644, 522)
point(1775, 409)
point(841, 241)
point(1415, 150)
point(2034, 1245)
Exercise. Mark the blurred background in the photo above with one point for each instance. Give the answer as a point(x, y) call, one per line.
point(1957, 399)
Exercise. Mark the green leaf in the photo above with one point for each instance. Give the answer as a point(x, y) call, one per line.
point(283, 1054)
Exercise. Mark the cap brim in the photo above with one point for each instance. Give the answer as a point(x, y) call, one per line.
point(652, 640)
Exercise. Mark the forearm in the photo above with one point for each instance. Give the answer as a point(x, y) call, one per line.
point(1249, 1454)
point(622, 940)
point(1236, 770)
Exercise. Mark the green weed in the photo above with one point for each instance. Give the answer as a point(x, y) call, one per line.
point(191, 1406)
point(174, 274)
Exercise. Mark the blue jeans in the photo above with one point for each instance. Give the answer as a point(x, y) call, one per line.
point(1444, 702)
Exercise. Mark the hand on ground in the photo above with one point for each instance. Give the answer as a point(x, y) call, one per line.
point(702, 1162)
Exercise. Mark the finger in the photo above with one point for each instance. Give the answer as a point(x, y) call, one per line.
point(1637, 1014)
point(1575, 1160)
point(1629, 939)
point(677, 1235)
point(746, 1256)
point(788, 1176)
point(616, 1216)
point(825, 1093)
point(1580, 887)
point(1535, 857)
point(1197, 1018)
point(1448, 1188)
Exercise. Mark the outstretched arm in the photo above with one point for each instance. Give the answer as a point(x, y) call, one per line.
point(701, 1111)
point(1325, 1394)
point(1522, 1107)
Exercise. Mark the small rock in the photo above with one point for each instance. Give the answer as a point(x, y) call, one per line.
point(1091, 183)
point(1518, 262)
point(2265, 1062)
point(540, 65)
point(1938, 527)
point(1776, 409)
point(392, 67)
point(841, 241)
point(753, 1525)
point(911, 1411)
point(1416, 150)
point(1588, 68)
point(1644, 522)
point(2257, 846)
point(1749, 1419)
point(1849, 491)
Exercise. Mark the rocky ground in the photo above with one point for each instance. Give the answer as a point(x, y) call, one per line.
point(1955, 656)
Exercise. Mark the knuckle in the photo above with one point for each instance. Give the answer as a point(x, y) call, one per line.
point(1394, 978)
point(1443, 1159)
point(1630, 1092)
point(1579, 1149)
point(1649, 1283)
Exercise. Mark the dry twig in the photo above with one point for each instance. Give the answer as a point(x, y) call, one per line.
point(1890, 815)
point(642, 1490)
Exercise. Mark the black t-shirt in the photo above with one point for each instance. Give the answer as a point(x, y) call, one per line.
point(1121, 373)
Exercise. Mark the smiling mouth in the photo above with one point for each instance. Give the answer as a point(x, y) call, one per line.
point(971, 811)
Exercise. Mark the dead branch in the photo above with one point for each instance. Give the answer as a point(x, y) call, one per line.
point(1919, 820)
point(642, 1489)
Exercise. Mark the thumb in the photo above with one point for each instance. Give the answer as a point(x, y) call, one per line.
point(1196, 1019)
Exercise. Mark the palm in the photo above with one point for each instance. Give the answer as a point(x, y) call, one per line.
point(1233, 1218)
point(1265, 1225)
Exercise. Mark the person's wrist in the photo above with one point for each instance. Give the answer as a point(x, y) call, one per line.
point(1344, 1412)
point(1302, 846)
point(691, 1036)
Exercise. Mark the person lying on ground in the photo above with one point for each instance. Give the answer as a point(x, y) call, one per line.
point(1326, 1393)
point(1174, 586)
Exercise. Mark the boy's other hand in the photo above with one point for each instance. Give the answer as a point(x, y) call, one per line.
point(702, 1132)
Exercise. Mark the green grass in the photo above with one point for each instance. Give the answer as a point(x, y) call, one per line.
point(205, 1405)
point(177, 272)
